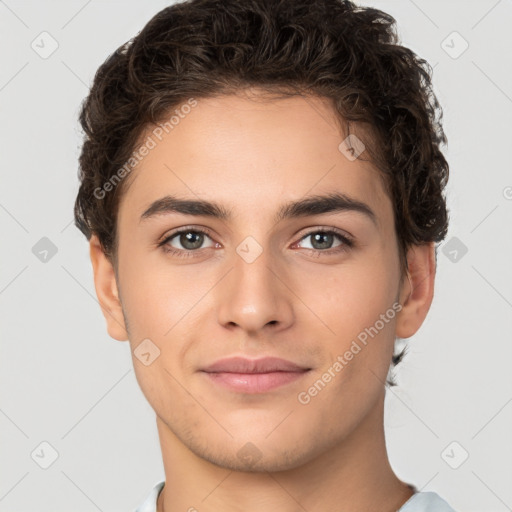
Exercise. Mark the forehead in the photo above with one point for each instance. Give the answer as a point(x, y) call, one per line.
point(250, 153)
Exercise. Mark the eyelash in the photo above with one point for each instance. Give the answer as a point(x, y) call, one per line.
point(348, 243)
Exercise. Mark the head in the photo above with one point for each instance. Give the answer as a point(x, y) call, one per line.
point(299, 143)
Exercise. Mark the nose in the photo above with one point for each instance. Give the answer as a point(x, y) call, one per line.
point(254, 296)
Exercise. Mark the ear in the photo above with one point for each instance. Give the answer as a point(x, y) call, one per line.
point(418, 291)
point(106, 290)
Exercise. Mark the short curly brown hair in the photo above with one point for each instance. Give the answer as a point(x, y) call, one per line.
point(329, 48)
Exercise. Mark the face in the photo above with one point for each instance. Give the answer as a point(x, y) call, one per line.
point(307, 286)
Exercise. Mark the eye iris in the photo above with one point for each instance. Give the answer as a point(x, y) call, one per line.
point(322, 237)
point(193, 238)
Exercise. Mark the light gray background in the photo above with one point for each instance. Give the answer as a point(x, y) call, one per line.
point(66, 382)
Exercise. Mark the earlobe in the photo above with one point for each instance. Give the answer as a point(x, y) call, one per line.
point(107, 291)
point(417, 291)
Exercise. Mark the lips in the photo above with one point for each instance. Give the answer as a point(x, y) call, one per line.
point(263, 365)
point(252, 376)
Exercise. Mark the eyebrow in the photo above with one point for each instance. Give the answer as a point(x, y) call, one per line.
point(311, 205)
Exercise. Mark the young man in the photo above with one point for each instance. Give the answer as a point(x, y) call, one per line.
point(262, 189)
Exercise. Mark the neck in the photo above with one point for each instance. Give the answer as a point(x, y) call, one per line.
point(353, 476)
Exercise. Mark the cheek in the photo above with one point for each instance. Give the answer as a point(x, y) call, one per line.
point(154, 295)
point(356, 303)
point(350, 298)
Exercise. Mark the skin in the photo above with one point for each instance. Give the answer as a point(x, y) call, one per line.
point(294, 301)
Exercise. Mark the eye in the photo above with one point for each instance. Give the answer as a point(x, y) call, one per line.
point(185, 241)
point(322, 240)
